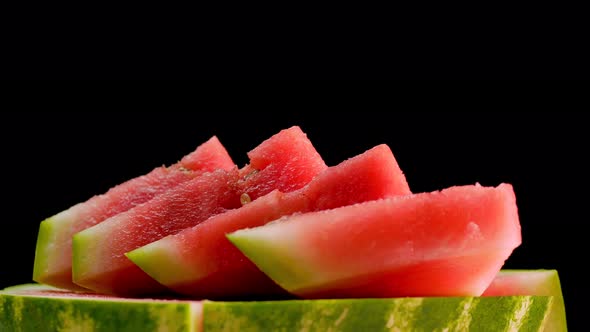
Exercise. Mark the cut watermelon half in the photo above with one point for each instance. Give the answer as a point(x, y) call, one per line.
point(286, 161)
point(53, 255)
point(201, 262)
point(445, 243)
point(33, 308)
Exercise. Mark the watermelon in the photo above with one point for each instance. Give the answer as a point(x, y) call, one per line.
point(53, 256)
point(445, 243)
point(201, 262)
point(537, 282)
point(286, 161)
point(38, 308)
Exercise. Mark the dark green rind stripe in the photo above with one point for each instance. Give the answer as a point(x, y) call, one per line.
point(536, 309)
point(545, 283)
point(524, 313)
point(47, 314)
point(515, 313)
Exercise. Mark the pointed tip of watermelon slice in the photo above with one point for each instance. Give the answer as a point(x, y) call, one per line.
point(161, 261)
point(264, 251)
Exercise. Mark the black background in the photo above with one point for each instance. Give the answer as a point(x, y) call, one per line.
point(53, 160)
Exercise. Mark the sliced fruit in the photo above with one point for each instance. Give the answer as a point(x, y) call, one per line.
point(201, 262)
point(27, 309)
point(533, 282)
point(99, 262)
point(287, 162)
point(53, 255)
point(446, 243)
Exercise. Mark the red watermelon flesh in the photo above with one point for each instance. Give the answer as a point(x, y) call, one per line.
point(99, 262)
point(53, 259)
point(201, 262)
point(289, 163)
point(446, 243)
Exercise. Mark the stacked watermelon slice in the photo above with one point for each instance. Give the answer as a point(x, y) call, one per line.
point(284, 243)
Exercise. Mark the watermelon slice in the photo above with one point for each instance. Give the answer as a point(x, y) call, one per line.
point(201, 262)
point(29, 308)
point(446, 243)
point(287, 161)
point(53, 256)
point(537, 282)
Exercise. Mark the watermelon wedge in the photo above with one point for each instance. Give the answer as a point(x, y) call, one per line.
point(201, 262)
point(286, 161)
point(445, 243)
point(33, 308)
point(533, 282)
point(53, 255)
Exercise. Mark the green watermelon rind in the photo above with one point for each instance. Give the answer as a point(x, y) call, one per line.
point(548, 285)
point(522, 313)
point(274, 260)
point(43, 238)
point(81, 240)
point(158, 258)
point(22, 312)
point(66, 313)
point(49, 232)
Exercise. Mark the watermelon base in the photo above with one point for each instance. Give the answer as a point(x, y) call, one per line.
point(42, 308)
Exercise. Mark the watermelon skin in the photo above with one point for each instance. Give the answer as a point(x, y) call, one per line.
point(99, 261)
point(38, 308)
point(53, 254)
point(29, 308)
point(524, 313)
point(533, 282)
point(202, 263)
point(445, 243)
point(50, 309)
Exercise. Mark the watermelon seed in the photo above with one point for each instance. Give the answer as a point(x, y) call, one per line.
point(185, 170)
point(245, 199)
